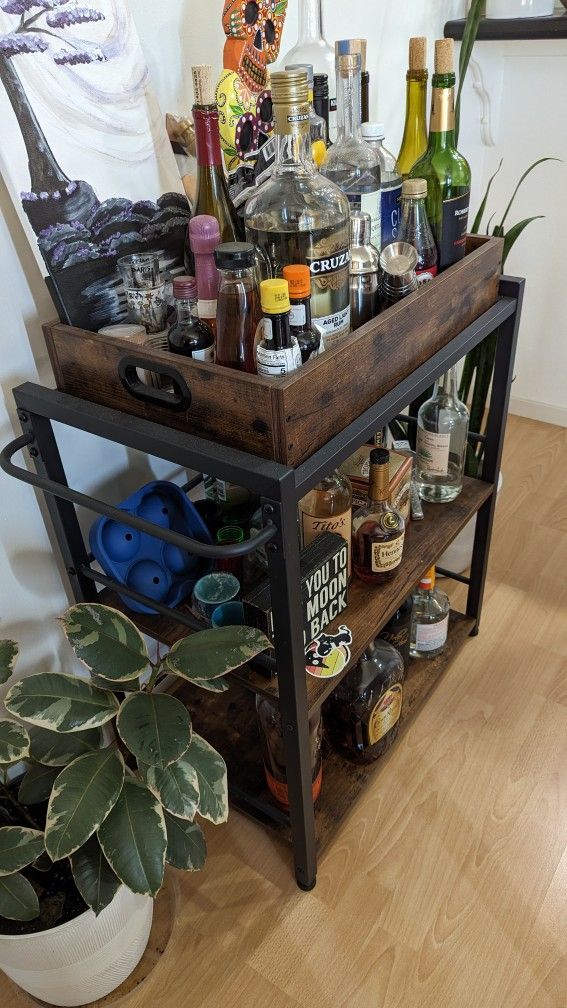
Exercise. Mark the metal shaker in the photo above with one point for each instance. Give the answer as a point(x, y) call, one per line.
point(364, 271)
point(398, 262)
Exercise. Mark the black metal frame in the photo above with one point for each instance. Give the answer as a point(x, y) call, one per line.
point(280, 489)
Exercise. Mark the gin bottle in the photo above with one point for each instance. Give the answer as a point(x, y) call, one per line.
point(442, 429)
point(312, 47)
point(430, 619)
point(391, 181)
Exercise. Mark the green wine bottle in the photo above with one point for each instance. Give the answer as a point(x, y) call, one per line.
point(446, 172)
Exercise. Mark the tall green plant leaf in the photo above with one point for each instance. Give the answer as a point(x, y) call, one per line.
point(93, 876)
point(14, 741)
point(134, 839)
point(56, 750)
point(155, 726)
point(522, 179)
point(19, 847)
point(60, 702)
point(177, 788)
point(186, 847)
point(211, 775)
point(82, 797)
point(514, 233)
point(36, 784)
point(18, 898)
point(210, 654)
point(9, 652)
point(107, 642)
point(469, 38)
point(212, 685)
point(480, 212)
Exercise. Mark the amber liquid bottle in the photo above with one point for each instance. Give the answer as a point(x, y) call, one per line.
point(327, 508)
point(378, 529)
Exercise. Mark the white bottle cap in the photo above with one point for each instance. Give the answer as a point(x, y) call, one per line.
point(373, 131)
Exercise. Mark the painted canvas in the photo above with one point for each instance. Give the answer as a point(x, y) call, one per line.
point(84, 151)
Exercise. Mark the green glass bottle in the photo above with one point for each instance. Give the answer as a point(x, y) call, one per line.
point(446, 172)
point(414, 141)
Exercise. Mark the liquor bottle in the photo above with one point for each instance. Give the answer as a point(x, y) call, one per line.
point(321, 99)
point(317, 125)
point(364, 271)
point(204, 236)
point(415, 228)
point(362, 716)
point(442, 429)
point(188, 335)
point(312, 47)
point(390, 182)
point(446, 172)
point(278, 352)
point(346, 47)
point(271, 737)
point(350, 162)
point(414, 141)
point(298, 216)
point(300, 319)
point(378, 529)
point(327, 508)
point(397, 631)
point(430, 618)
point(238, 306)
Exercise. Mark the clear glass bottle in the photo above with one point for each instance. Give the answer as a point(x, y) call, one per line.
point(298, 216)
point(317, 125)
point(277, 353)
point(350, 162)
point(238, 306)
point(378, 529)
point(390, 181)
point(430, 619)
point(416, 229)
point(327, 508)
point(189, 336)
point(312, 47)
point(442, 429)
point(414, 142)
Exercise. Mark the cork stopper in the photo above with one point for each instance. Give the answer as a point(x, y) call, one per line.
point(418, 53)
point(444, 56)
point(414, 187)
point(203, 84)
point(290, 87)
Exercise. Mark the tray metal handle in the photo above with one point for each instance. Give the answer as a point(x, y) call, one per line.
point(177, 398)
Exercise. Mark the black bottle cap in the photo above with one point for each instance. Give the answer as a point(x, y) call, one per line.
point(321, 85)
point(234, 255)
point(379, 456)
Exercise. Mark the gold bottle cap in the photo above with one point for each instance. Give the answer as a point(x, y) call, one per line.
point(203, 84)
point(414, 187)
point(445, 56)
point(290, 87)
point(418, 53)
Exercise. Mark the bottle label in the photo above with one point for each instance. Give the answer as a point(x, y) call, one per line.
point(207, 309)
point(314, 525)
point(386, 714)
point(397, 638)
point(370, 203)
point(391, 213)
point(297, 316)
point(328, 258)
point(334, 326)
point(275, 363)
point(280, 790)
point(432, 452)
point(425, 275)
point(453, 230)
point(386, 556)
point(207, 354)
point(431, 636)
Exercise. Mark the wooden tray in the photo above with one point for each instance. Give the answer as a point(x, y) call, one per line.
point(290, 418)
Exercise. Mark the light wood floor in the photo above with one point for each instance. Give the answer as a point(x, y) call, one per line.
point(447, 886)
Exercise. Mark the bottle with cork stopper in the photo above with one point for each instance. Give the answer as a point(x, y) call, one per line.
point(414, 142)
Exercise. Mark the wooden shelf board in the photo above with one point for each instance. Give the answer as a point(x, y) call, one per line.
point(499, 29)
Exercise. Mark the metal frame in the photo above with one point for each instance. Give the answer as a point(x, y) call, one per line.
point(280, 489)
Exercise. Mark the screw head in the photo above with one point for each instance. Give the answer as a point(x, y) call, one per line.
point(71, 571)
point(34, 452)
point(23, 417)
point(272, 547)
point(268, 509)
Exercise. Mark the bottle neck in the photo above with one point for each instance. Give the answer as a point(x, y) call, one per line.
point(207, 136)
point(293, 141)
point(442, 122)
point(413, 212)
point(379, 486)
point(310, 21)
point(349, 103)
point(447, 384)
point(416, 98)
point(186, 310)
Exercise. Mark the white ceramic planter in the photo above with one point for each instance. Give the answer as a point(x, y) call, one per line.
point(86, 958)
point(519, 8)
point(458, 556)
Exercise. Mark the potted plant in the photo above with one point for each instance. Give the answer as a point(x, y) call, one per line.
point(114, 778)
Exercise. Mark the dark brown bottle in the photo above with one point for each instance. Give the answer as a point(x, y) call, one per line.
point(271, 735)
point(188, 335)
point(378, 529)
point(397, 631)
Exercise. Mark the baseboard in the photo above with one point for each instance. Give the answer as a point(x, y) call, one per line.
point(539, 411)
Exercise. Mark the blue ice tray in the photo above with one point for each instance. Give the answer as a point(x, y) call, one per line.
point(144, 563)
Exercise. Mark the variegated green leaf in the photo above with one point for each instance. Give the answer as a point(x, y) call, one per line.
point(14, 741)
point(134, 839)
point(211, 685)
point(211, 775)
point(155, 726)
point(93, 876)
point(186, 847)
point(210, 654)
point(125, 686)
point(19, 847)
point(60, 702)
point(177, 787)
point(9, 652)
point(18, 898)
point(106, 641)
point(36, 784)
point(82, 797)
point(56, 750)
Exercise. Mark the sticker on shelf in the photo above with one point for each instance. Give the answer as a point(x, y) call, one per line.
point(329, 654)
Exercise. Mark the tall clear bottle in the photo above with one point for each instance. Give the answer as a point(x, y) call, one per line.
point(442, 429)
point(374, 135)
point(312, 47)
point(298, 216)
point(430, 618)
point(350, 162)
point(414, 141)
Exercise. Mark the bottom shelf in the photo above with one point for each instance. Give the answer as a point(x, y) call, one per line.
point(228, 721)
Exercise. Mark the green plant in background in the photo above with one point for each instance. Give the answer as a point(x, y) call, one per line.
point(123, 804)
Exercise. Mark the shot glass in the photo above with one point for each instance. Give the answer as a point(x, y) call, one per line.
point(139, 271)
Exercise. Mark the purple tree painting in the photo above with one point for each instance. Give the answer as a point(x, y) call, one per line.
point(79, 237)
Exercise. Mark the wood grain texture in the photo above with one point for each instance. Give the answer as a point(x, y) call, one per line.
point(446, 885)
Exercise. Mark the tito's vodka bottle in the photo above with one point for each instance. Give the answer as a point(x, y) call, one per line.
point(299, 217)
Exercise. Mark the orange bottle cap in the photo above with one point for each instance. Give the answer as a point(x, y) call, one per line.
point(299, 280)
point(428, 579)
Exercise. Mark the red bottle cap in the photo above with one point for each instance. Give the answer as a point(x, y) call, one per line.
point(204, 234)
point(185, 287)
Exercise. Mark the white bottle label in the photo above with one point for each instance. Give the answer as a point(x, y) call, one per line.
point(371, 203)
point(297, 315)
point(432, 452)
point(207, 355)
point(386, 556)
point(431, 636)
point(334, 326)
point(207, 309)
point(275, 363)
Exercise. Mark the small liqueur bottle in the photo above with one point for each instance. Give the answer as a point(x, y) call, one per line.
point(414, 142)
point(189, 336)
point(238, 306)
point(300, 320)
point(442, 429)
point(364, 271)
point(317, 125)
point(390, 181)
point(321, 99)
point(312, 47)
point(415, 228)
point(278, 351)
point(327, 508)
point(204, 236)
point(397, 631)
point(430, 619)
point(271, 735)
point(362, 716)
point(378, 529)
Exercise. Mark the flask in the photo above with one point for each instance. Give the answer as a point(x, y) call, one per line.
point(442, 429)
point(362, 716)
point(364, 271)
point(278, 352)
point(271, 736)
point(416, 230)
point(430, 619)
point(204, 236)
point(378, 529)
point(238, 306)
point(298, 216)
point(446, 172)
point(397, 631)
point(188, 335)
point(300, 320)
point(321, 99)
point(327, 508)
point(317, 125)
point(414, 141)
point(312, 47)
point(390, 182)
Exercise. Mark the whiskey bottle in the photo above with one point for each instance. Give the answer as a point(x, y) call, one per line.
point(378, 529)
point(414, 142)
point(297, 216)
point(271, 736)
point(442, 429)
point(430, 619)
point(328, 508)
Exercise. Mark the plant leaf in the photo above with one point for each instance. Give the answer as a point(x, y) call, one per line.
point(36, 784)
point(211, 775)
point(177, 788)
point(107, 642)
point(469, 38)
point(125, 686)
point(60, 702)
point(522, 179)
point(210, 654)
point(14, 741)
point(9, 652)
point(480, 212)
point(514, 233)
point(56, 750)
point(93, 876)
point(156, 727)
point(19, 847)
point(18, 898)
point(82, 797)
point(212, 685)
point(186, 847)
point(134, 840)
